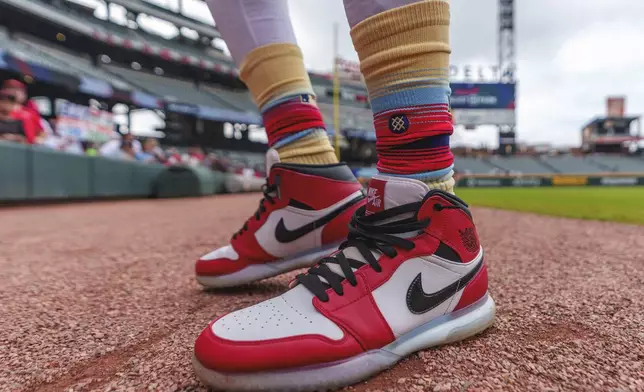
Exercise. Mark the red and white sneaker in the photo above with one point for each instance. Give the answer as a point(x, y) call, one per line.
point(303, 216)
point(411, 275)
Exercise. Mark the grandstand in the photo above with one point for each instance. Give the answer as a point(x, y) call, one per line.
point(62, 43)
point(169, 89)
point(520, 165)
point(564, 164)
point(570, 164)
point(350, 116)
point(80, 19)
point(238, 99)
point(63, 60)
point(619, 163)
point(468, 165)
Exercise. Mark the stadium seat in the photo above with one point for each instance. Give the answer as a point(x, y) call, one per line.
point(620, 163)
point(521, 165)
point(469, 165)
point(170, 89)
point(572, 165)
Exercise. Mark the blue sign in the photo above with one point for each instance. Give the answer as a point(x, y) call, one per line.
point(482, 96)
point(363, 134)
point(3, 64)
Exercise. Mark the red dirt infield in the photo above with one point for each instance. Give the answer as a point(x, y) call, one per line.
point(101, 297)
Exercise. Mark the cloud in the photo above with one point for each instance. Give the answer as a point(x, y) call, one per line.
point(570, 54)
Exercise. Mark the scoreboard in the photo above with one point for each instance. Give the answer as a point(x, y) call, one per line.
point(609, 134)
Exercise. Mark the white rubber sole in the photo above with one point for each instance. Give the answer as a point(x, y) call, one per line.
point(449, 328)
point(256, 272)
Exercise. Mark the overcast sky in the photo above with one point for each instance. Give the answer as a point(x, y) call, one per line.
point(571, 55)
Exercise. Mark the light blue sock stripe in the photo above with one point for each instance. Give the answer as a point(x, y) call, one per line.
point(426, 176)
point(426, 83)
point(412, 97)
point(296, 136)
point(271, 104)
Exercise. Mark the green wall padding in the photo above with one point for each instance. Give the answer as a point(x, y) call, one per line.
point(145, 177)
point(58, 175)
point(14, 171)
point(112, 178)
point(184, 181)
point(38, 173)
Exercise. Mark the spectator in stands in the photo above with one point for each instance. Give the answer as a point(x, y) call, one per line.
point(151, 152)
point(17, 125)
point(174, 158)
point(51, 139)
point(112, 148)
point(260, 170)
point(41, 124)
point(91, 150)
point(216, 163)
point(10, 129)
point(23, 111)
point(126, 151)
point(195, 156)
point(71, 146)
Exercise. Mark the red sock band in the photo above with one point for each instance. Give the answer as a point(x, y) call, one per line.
point(291, 117)
point(414, 139)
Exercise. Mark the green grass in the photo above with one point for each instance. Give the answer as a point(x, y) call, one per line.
point(619, 204)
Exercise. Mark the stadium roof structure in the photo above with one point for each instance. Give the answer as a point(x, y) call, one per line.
point(166, 14)
point(597, 121)
point(126, 38)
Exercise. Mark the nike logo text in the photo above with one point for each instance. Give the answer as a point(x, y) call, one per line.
point(284, 235)
point(373, 198)
point(420, 302)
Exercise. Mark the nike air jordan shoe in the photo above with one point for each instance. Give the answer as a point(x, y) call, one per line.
point(303, 216)
point(411, 275)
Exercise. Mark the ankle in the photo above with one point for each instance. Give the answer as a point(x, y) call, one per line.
point(312, 148)
point(439, 179)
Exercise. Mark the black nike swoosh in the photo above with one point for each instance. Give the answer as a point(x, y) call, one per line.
point(420, 302)
point(284, 235)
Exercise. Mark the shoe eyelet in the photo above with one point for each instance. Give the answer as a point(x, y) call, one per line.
point(438, 207)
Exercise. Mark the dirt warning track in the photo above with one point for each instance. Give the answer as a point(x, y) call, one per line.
point(98, 297)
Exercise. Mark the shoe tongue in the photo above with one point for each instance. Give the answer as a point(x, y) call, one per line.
point(272, 157)
point(387, 192)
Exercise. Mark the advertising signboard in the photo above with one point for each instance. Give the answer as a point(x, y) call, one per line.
point(84, 123)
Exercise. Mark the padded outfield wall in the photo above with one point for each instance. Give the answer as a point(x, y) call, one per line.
point(32, 173)
point(538, 180)
point(558, 180)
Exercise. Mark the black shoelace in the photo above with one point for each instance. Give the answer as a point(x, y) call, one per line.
point(267, 189)
point(365, 235)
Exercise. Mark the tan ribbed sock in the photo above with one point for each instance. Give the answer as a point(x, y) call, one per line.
point(276, 71)
point(313, 149)
point(445, 183)
point(405, 47)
